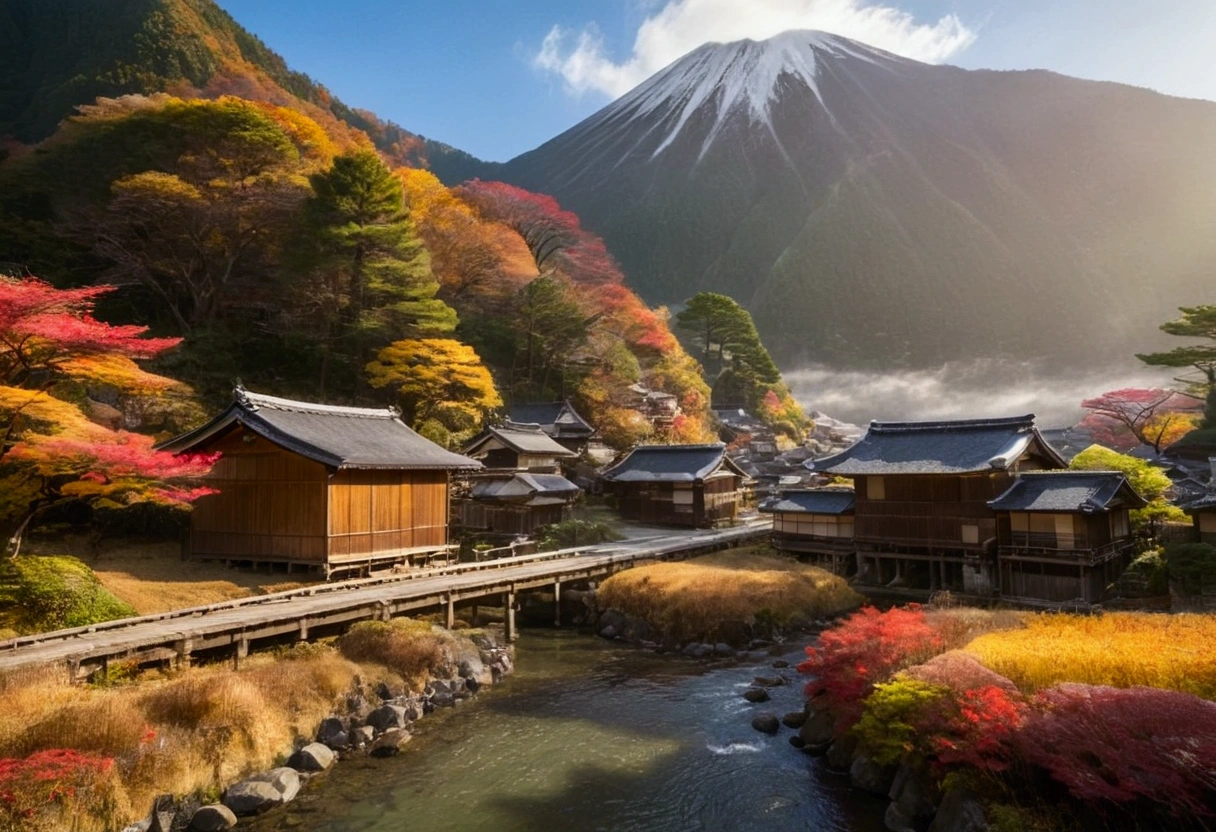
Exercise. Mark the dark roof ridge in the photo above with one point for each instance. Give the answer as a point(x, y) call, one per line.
point(704, 446)
point(949, 424)
point(519, 427)
point(253, 402)
point(1070, 472)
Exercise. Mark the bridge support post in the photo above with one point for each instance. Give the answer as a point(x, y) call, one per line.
point(183, 647)
point(509, 615)
point(450, 619)
point(557, 603)
point(242, 651)
point(474, 615)
point(303, 634)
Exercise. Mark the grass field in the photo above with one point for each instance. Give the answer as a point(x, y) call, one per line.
point(690, 599)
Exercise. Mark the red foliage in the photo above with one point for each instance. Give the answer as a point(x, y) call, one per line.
point(867, 647)
point(47, 779)
point(978, 730)
point(1122, 419)
point(1122, 745)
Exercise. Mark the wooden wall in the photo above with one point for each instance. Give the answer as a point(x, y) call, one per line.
point(271, 504)
point(928, 511)
point(666, 504)
point(372, 512)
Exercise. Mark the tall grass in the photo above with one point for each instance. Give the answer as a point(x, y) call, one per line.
point(692, 599)
point(1174, 652)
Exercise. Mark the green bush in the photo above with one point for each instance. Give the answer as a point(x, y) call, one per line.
point(51, 593)
point(570, 533)
point(1192, 566)
point(1151, 566)
point(888, 728)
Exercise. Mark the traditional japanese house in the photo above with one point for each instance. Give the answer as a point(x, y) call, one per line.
point(514, 446)
point(557, 419)
point(515, 503)
point(1064, 536)
point(816, 523)
point(922, 520)
point(1203, 515)
point(676, 485)
point(313, 485)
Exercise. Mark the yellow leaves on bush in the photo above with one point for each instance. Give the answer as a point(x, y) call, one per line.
point(436, 378)
point(1174, 652)
point(116, 371)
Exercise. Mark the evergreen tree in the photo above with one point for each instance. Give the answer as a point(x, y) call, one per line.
point(1196, 322)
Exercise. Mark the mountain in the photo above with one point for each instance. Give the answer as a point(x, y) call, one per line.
point(58, 54)
point(871, 210)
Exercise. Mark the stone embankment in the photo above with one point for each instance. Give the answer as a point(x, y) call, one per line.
point(372, 721)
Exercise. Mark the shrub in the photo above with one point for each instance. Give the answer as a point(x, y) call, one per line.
point(1151, 566)
point(1176, 652)
point(57, 592)
point(50, 788)
point(570, 533)
point(409, 648)
point(1117, 746)
point(865, 649)
point(890, 722)
point(1191, 566)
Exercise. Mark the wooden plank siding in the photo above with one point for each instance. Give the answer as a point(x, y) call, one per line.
point(928, 511)
point(374, 512)
point(270, 505)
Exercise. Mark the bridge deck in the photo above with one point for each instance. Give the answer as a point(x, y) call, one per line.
point(237, 624)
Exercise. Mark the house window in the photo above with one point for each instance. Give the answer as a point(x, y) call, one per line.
point(1207, 522)
point(1118, 525)
point(971, 534)
point(876, 488)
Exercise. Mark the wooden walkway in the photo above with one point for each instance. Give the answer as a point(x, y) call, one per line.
point(235, 626)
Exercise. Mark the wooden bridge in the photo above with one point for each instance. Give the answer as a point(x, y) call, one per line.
point(233, 627)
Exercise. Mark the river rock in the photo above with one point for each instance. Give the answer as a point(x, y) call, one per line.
point(960, 811)
point(867, 775)
point(915, 796)
point(213, 818)
point(818, 731)
point(637, 629)
point(387, 717)
point(724, 650)
point(766, 723)
point(312, 757)
point(252, 797)
point(797, 742)
point(473, 669)
point(333, 733)
point(769, 681)
point(390, 742)
point(755, 695)
point(840, 754)
point(794, 719)
point(613, 621)
point(780, 663)
point(363, 736)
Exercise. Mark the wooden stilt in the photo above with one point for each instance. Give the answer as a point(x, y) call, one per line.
point(450, 620)
point(474, 614)
point(557, 603)
point(183, 647)
point(303, 635)
point(509, 615)
point(242, 650)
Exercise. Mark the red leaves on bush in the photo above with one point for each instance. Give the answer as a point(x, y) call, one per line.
point(867, 647)
point(1121, 745)
point(978, 731)
point(47, 778)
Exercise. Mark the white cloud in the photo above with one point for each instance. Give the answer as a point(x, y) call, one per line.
point(680, 26)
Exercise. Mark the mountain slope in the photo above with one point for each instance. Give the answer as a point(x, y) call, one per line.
point(874, 211)
point(58, 54)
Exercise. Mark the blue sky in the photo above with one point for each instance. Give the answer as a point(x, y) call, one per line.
point(497, 78)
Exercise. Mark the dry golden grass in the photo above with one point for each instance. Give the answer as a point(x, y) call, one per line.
point(691, 599)
point(959, 626)
point(410, 649)
point(1175, 652)
point(197, 730)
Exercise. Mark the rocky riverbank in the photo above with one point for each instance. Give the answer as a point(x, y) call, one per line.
point(373, 719)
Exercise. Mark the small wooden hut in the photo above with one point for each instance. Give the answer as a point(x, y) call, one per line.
point(557, 419)
point(817, 523)
point(677, 485)
point(516, 502)
point(513, 447)
point(1203, 515)
point(324, 487)
point(1064, 535)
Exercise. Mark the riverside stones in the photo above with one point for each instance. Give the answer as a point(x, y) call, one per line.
point(390, 743)
point(794, 719)
point(914, 798)
point(263, 791)
point(867, 775)
point(769, 681)
point(312, 757)
point(960, 811)
point(332, 732)
point(766, 723)
point(817, 732)
point(756, 695)
point(215, 817)
point(386, 717)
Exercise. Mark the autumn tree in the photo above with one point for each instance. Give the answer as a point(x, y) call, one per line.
point(442, 386)
point(1195, 322)
point(1152, 417)
point(373, 283)
point(52, 354)
point(1147, 479)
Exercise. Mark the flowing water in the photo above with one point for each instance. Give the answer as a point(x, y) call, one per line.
point(590, 735)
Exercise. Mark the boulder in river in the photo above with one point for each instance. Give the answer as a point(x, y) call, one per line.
point(263, 791)
point(215, 817)
point(840, 755)
point(766, 723)
point(312, 757)
point(724, 650)
point(769, 681)
point(960, 811)
point(867, 775)
point(914, 798)
point(390, 742)
point(386, 717)
point(780, 663)
point(756, 695)
point(794, 719)
point(332, 733)
point(818, 731)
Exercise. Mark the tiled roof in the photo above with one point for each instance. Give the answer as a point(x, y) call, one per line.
point(524, 439)
point(1068, 491)
point(958, 447)
point(670, 463)
point(523, 487)
point(339, 437)
point(556, 418)
point(812, 501)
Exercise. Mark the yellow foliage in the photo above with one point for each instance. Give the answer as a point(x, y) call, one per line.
point(40, 408)
point(1175, 652)
point(111, 370)
point(436, 377)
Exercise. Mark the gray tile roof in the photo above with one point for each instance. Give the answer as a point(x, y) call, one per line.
point(556, 418)
point(670, 463)
point(1068, 491)
point(523, 487)
point(958, 447)
point(1207, 501)
point(339, 437)
point(524, 439)
point(812, 501)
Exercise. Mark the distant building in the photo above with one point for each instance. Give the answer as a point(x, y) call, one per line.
point(518, 447)
point(676, 485)
point(515, 503)
point(1064, 535)
point(557, 419)
point(331, 488)
point(659, 408)
point(817, 523)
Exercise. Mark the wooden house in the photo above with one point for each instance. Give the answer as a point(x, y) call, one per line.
point(559, 420)
point(1203, 515)
point(676, 485)
point(324, 487)
point(922, 520)
point(1064, 535)
point(515, 502)
point(518, 447)
point(816, 523)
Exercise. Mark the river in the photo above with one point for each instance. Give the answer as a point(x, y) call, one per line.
point(592, 735)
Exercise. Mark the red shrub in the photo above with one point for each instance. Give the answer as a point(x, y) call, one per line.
point(46, 780)
point(867, 647)
point(978, 730)
point(1122, 745)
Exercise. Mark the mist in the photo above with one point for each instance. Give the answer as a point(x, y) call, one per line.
point(963, 390)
